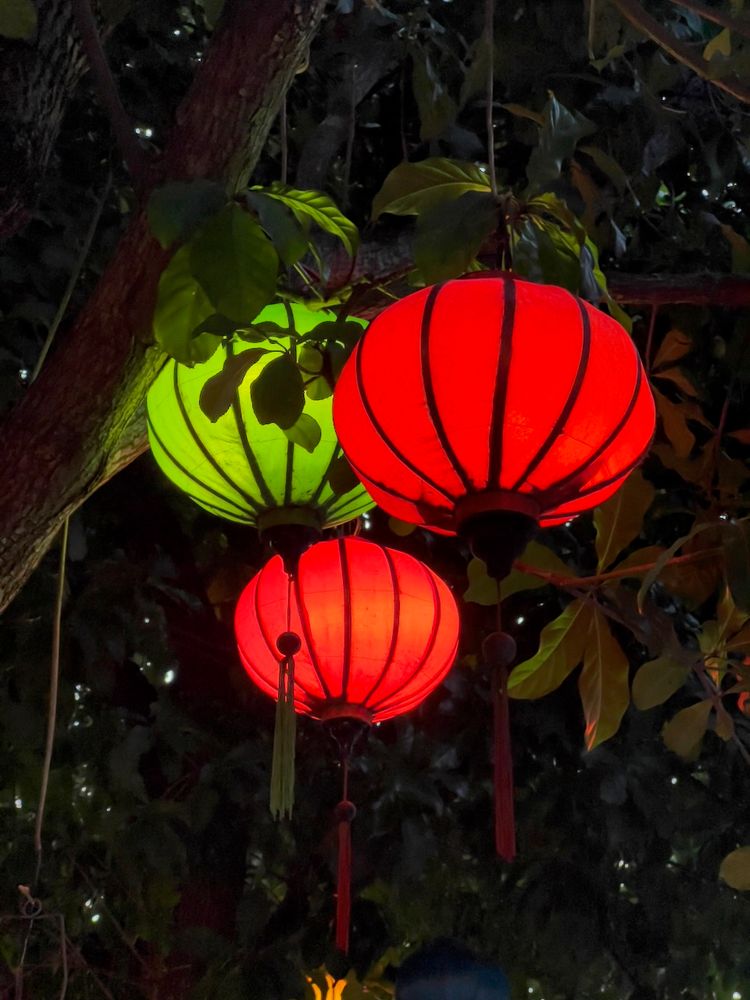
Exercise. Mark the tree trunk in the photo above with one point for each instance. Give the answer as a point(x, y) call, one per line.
point(64, 439)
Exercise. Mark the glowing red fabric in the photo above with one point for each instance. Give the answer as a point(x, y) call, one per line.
point(379, 630)
point(489, 394)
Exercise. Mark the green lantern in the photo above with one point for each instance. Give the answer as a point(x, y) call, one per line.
point(236, 466)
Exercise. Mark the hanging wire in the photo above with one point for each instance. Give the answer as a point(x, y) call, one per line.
point(489, 41)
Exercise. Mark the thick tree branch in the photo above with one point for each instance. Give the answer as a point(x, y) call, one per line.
point(61, 441)
point(122, 126)
point(642, 21)
point(729, 291)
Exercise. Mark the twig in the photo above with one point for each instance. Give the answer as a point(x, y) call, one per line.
point(351, 131)
point(111, 917)
point(54, 683)
point(614, 574)
point(742, 27)
point(77, 951)
point(122, 126)
point(730, 291)
point(284, 137)
point(73, 280)
point(489, 41)
point(650, 337)
point(642, 21)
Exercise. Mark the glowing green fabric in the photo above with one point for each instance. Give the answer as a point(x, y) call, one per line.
point(237, 467)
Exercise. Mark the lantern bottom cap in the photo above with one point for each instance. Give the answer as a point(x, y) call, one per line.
point(342, 710)
point(306, 516)
point(498, 537)
point(490, 501)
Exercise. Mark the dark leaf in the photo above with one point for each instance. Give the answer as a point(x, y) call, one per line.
point(558, 139)
point(450, 236)
point(219, 391)
point(235, 263)
point(285, 232)
point(278, 393)
point(177, 209)
point(342, 477)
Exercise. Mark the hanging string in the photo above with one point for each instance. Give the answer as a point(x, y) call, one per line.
point(499, 650)
point(489, 41)
point(285, 728)
point(345, 813)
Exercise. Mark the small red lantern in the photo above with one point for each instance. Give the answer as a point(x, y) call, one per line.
point(489, 407)
point(359, 633)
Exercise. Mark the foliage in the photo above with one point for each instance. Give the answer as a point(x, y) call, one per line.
point(160, 853)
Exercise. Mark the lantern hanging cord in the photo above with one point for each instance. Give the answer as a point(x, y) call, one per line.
point(285, 727)
point(345, 813)
point(489, 41)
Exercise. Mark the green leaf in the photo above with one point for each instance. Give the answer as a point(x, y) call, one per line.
point(683, 733)
point(216, 324)
point(218, 392)
point(543, 252)
point(550, 205)
point(482, 588)
point(235, 263)
point(282, 227)
point(342, 478)
point(720, 44)
point(558, 139)
point(658, 680)
point(278, 394)
point(603, 682)
point(561, 648)
point(305, 432)
point(181, 307)
point(620, 519)
point(437, 109)
point(414, 188)
point(177, 209)
point(736, 540)
point(212, 11)
point(449, 237)
point(18, 19)
point(540, 557)
point(403, 529)
point(735, 869)
point(315, 207)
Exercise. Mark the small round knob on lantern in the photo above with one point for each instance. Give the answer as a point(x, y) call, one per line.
point(345, 811)
point(499, 650)
point(288, 643)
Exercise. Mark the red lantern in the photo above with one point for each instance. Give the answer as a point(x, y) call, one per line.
point(489, 407)
point(493, 394)
point(358, 632)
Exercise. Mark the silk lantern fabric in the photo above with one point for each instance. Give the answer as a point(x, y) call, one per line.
point(493, 393)
point(379, 630)
point(237, 467)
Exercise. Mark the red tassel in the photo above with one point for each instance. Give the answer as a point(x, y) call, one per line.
point(505, 824)
point(345, 813)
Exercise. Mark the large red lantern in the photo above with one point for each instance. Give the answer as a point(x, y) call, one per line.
point(493, 395)
point(488, 407)
point(356, 635)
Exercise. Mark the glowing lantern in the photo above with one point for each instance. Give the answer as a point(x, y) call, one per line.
point(237, 467)
point(489, 407)
point(493, 396)
point(359, 633)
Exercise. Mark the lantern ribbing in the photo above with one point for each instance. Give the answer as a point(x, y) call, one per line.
point(493, 394)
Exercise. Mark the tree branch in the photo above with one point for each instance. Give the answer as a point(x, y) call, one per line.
point(615, 574)
point(729, 291)
point(122, 126)
point(642, 21)
point(61, 439)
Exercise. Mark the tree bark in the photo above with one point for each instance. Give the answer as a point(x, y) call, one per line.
point(65, 437)
point(36, 80)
